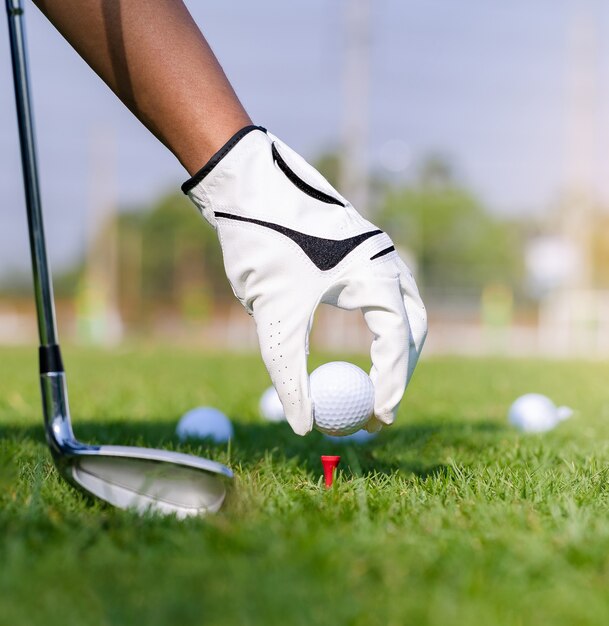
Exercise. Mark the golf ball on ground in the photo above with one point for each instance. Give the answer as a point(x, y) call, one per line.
point(270, 406)
point(343, 398)
point(536, 413)
point(205, 422)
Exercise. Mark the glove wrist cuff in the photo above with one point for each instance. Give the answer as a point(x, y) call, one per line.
point(194, 180)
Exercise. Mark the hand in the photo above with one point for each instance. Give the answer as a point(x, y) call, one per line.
point(291, 241)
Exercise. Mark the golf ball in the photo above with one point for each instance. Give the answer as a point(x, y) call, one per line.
point(536, 413)
point(205, 422)
point(270, 406)
point(343, 398)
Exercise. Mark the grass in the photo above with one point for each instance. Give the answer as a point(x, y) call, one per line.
point(450, 517)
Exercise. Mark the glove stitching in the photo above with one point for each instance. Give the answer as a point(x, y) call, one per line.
point(214, 161)
point(360, 254)
point(286, 241)
point(347, 228)
point(369, 246)
point(301, 184)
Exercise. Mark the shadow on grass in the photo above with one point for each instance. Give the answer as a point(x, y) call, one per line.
point(408, 449)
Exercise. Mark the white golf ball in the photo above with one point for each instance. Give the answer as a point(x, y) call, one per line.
point(343, 398)
point(205, 422)
point(534, 413)
point(360, 437)
point(270, 406)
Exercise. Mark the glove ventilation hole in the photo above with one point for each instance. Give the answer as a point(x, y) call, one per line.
point(280, 368)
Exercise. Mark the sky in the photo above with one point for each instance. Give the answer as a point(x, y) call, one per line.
point(488, 84)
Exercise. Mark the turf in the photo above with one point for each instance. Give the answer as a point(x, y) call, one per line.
point(450, 517)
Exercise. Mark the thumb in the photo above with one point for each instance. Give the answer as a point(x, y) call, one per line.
point(283, 338)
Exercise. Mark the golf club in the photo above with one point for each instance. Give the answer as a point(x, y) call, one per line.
point(142, 479)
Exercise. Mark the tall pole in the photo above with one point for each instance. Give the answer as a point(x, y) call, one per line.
point(577, 218)
point(569, 314)
point(99, 298)
point(356, 79)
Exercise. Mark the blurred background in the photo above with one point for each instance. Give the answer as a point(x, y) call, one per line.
point(475, 133)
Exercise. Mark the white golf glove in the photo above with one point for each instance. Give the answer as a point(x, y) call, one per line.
point(289, 242)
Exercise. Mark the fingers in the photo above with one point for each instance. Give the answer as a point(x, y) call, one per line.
point(379, 296)
point(283, 338)
point(390, 352)
point(394, 313)
point(416, 313)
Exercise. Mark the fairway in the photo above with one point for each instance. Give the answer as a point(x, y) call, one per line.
point(449, 517)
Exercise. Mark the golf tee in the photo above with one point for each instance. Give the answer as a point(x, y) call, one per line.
point(330, 463)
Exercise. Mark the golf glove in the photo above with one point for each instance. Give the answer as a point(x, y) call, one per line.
point(290, 241)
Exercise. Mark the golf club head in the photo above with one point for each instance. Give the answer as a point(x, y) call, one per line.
point(143, 479)
point(140, 479)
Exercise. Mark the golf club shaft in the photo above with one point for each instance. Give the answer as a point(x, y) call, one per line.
point(43, 287)
point(123, 476)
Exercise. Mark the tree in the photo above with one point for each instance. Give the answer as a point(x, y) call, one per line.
point(455, 241)
point(169, 258)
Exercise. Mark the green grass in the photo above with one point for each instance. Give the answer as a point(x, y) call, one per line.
point(450, 517)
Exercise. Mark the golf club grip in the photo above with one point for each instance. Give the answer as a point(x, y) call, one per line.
point(43, 287)
point(49, 359)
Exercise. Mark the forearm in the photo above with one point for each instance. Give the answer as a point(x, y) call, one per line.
point(155, 59)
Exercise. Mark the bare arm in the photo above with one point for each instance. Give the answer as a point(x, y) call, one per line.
point(155, 59)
